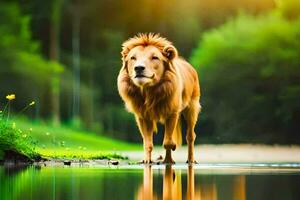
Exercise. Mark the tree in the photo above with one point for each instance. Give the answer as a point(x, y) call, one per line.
point(250, 76)
point(23, 70)
point(55, 23)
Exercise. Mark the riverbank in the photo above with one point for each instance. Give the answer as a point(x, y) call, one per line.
point(229, 153)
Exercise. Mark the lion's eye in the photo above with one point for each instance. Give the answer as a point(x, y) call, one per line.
point(132, 58)
point(155, 58)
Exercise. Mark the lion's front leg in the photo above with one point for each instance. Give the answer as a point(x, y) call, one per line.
point(168, 142)
point(146, 128)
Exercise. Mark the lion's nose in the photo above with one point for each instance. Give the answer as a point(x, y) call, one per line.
point(139, 69)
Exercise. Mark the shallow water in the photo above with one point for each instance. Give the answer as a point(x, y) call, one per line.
point(157, 182)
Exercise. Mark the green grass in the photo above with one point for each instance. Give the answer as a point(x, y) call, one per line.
point(62, 142)
point(65, 142)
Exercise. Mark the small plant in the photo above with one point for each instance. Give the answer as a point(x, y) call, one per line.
point(12, 138)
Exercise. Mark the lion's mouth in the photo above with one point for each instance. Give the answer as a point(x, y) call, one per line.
point(143, 76)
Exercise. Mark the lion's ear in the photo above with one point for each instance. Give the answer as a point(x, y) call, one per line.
point(170, 52)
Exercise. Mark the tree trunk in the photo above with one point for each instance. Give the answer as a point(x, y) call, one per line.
point(76, 61)
point(55, 21)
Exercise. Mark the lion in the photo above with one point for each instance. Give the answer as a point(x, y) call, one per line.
point(158, 86)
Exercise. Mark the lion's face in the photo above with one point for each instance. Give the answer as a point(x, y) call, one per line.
point(145, 65)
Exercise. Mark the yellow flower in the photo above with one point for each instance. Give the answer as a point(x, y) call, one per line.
point(32, 103)
point(11, 97)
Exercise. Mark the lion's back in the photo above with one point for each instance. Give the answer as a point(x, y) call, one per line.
point(190, 81)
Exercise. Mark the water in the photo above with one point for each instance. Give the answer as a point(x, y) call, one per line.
point(208, 182)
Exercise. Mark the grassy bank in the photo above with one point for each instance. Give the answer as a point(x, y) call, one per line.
point(59, 142)
point(16, 143)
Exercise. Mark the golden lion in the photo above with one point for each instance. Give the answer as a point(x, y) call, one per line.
point(158, 86)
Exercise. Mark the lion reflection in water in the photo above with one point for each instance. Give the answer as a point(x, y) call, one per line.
point(173, 187)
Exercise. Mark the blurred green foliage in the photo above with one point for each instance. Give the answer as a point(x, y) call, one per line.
point(23, 69)
point(19, 53)
point(250, 74)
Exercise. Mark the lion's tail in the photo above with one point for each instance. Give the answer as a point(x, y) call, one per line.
point(177, 135)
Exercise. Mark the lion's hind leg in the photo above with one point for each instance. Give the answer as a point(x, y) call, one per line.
point(191, 115)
